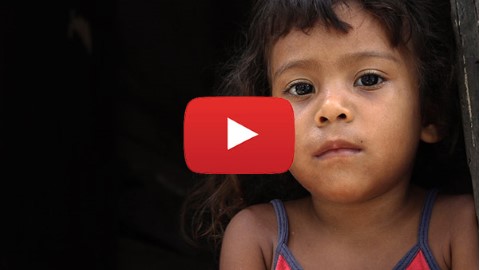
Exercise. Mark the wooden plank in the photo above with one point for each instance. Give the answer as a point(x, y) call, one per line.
point(465, 23)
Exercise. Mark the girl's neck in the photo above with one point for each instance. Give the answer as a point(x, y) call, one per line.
point(375, 215)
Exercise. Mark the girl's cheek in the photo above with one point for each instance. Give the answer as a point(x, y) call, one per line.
point(298, 110)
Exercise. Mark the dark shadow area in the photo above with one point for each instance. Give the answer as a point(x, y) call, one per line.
point(92, 101)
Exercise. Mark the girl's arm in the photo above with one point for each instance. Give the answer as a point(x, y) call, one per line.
point(243, 242)
point(464, 245)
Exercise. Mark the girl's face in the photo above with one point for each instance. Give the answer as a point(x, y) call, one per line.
point(356, 104)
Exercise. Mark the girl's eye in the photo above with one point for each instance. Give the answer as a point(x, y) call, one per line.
point(369, 80)
point(300, 89)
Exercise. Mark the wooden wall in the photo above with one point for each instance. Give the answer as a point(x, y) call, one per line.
point(465, 22)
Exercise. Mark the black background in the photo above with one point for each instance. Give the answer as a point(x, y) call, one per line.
point(92, 172)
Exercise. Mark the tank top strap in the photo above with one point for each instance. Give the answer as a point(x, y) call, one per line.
point(426, 215)
point(282, 221)
point(424, 226)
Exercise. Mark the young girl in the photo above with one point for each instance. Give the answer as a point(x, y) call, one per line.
point(372, 85)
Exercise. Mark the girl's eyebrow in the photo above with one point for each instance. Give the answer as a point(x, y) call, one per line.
point(294, 64)
point(370, 54)
point(347, 58)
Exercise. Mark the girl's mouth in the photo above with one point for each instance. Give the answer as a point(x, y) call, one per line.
point(336, 148)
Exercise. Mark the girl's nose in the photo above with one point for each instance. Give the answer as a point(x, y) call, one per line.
point(333, 109)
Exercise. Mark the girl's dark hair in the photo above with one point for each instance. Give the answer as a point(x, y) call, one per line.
point(423, 26)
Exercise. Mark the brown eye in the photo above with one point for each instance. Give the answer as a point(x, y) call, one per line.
point(300, 89)
point(369, 80)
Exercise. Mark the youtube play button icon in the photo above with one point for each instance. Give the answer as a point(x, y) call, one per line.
point(239, 135)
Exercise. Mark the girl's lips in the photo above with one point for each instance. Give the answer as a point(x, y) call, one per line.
point(337, 148)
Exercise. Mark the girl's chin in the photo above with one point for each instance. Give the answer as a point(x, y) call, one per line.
point(346, 193)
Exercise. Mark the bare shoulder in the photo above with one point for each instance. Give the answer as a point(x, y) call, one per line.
point(457, 210)
point(455, 216)
point(249, 238)
point(254, 221)
point(463, 200)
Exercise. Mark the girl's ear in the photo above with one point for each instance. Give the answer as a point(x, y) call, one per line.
point(430, 134)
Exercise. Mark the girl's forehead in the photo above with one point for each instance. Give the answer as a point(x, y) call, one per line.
point(353, 14)
point(365, 34)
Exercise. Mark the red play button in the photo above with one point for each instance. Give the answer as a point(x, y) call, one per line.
point(239, 135)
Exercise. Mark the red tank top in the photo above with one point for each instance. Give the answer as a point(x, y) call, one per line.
point(419, 257)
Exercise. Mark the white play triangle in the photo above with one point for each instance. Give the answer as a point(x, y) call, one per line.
point(237, 134)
